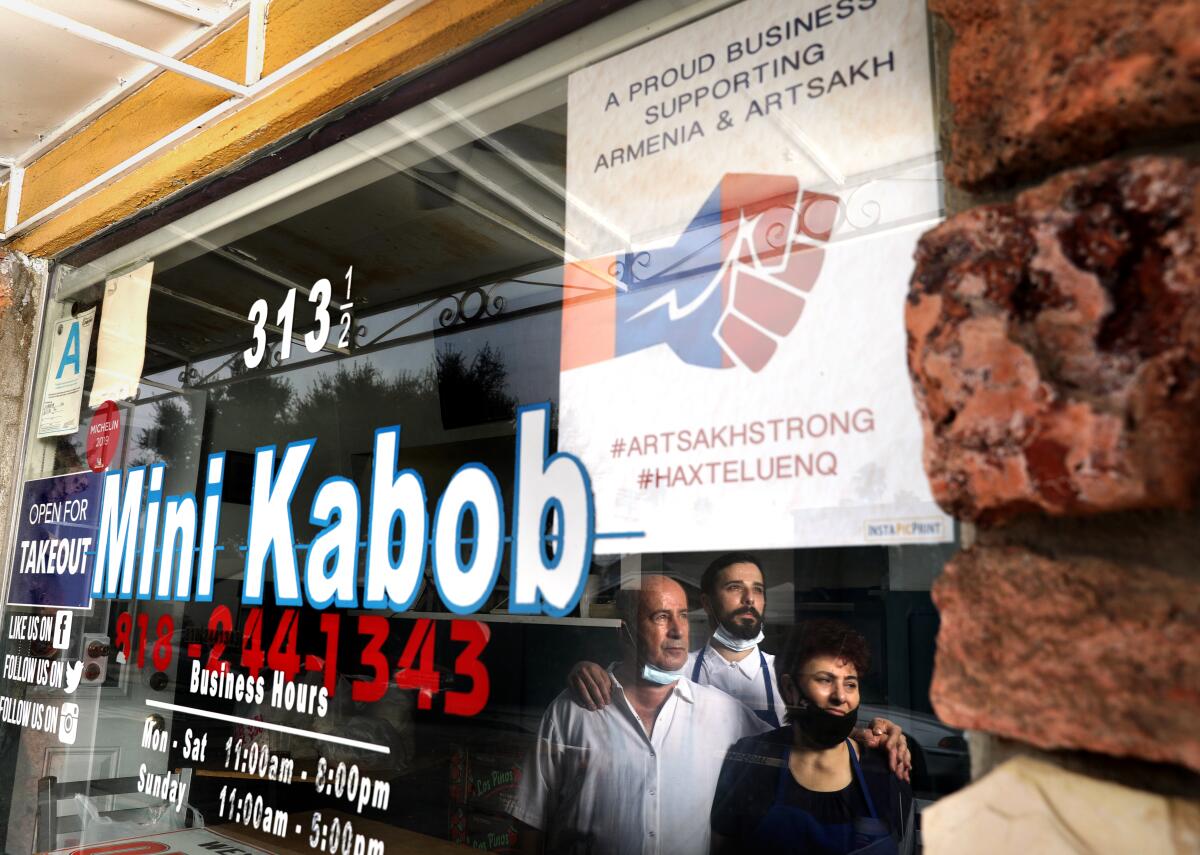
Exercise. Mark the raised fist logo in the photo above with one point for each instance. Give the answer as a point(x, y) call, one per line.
point(729, 290)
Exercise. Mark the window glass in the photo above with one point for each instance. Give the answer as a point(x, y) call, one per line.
point(583, 374)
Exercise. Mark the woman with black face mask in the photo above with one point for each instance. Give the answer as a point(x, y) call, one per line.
point(807, 787)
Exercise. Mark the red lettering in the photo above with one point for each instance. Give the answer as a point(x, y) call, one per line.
point(376, 627)
point(252, 651)
point(331, 626)
point(283, 656)
point(424, 677)
point(220, 627)
point(476, 634)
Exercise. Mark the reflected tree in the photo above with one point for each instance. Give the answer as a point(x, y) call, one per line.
point(473, 391)
point(359, 390)
point(343, 406)
point(166, 441)
point(243, 408)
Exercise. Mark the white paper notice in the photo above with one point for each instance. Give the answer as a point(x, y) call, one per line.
point(63, 395)
point(745, 195)
point(121, 347)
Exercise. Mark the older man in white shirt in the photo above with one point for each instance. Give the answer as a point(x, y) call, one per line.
point(638, 775)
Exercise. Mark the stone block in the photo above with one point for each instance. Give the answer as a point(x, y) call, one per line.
point(1028, 806)
point(1054, 345)
point(1078, 654)
point(6, 285)
point(1035, 86)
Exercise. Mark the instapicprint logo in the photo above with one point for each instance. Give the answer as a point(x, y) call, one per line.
point(725, 295)
point(930, 529)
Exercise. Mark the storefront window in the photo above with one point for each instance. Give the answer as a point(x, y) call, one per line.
point(331, 486)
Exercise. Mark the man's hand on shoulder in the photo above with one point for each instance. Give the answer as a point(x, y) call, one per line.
point(887, 736)
point(590, 685)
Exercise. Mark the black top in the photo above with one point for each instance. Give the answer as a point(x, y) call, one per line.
point(750, 784)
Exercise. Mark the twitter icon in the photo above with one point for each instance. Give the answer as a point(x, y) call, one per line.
point(73, 673)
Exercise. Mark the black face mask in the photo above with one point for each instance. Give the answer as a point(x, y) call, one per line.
point(820, 728)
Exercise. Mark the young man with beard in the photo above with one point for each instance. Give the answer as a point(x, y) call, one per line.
point(733, 593)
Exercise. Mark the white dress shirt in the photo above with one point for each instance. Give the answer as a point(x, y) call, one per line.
point(596, 783)
point(742, 679)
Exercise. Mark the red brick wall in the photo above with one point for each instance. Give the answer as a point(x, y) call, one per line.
point(1054, 346)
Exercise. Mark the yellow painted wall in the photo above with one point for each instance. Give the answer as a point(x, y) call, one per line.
point(170, 101)
point(157, 109)
point(294, 28)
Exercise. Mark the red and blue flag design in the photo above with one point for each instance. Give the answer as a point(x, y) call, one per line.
point(725, 294)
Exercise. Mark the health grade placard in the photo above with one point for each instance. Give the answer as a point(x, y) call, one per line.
point(745, 195)
point(56, 536)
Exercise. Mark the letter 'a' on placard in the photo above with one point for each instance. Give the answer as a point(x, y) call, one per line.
point(744, 198)
point(62, 397)
point(121, 347)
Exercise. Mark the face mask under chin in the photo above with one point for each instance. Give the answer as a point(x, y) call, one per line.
point(735, 641)
point(651, 674)
point(819, 728)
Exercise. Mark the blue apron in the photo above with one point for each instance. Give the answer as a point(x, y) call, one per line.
point(787, 828)
point(767, 715)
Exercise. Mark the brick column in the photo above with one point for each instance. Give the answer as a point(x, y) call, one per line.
point(1054, 344)
point(22, 283)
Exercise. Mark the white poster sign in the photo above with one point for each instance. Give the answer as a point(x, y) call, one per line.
point(744, 198)
point(62, 397)
point(121, 347)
